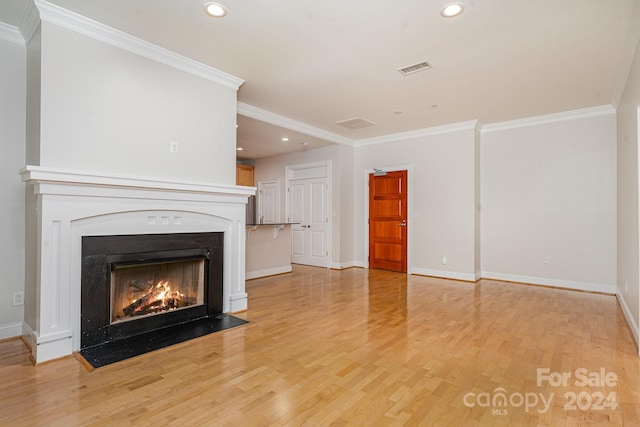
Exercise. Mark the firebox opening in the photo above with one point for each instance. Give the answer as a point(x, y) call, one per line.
point(146, 288)
point(134, 284)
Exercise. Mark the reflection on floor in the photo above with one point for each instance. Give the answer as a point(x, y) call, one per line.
point(363, 348)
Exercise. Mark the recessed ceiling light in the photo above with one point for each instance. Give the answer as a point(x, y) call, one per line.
point(239, 149)
point(450, 10)
point(285, 139)
point(215, 9)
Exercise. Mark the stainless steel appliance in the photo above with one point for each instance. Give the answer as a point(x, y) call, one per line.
point(251, 210)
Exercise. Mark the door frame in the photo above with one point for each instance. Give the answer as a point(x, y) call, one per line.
point(289, 175)
point(410, 212)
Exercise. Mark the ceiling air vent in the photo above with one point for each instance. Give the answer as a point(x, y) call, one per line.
point(355, 123)
point(410, 69)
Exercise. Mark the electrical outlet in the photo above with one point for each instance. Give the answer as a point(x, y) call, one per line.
point(444, 260)
point(173, 147)
point(18, 298)
point(545, 264)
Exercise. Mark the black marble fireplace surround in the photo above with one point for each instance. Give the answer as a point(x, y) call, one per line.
point(104, 341)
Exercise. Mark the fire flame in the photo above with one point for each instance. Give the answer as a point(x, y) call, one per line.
point(165, 288)
point(159, 297)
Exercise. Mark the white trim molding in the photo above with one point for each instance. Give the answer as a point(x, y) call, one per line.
point(77, 177)
point(550, 118)
point(268, 272)
point(624, 67)
point(420, 133)
point(631, 322)
point(554, 283)
point(11, 34)
point(29, 21)
point(466, 277)
point(287, 123)
point(344, 265)
point(72, 21)
point(12, 330)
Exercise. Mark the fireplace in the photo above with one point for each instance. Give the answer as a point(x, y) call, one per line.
point(68, 208)
point(132, 284)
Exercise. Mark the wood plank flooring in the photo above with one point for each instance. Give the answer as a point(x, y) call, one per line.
point(357, 348)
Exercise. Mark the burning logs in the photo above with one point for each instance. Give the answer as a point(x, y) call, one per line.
point(158, 298)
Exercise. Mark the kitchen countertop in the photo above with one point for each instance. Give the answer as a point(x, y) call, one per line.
point(272, 223)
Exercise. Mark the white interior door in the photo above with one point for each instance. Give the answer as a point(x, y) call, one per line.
point(308, 209)
point(269, 203)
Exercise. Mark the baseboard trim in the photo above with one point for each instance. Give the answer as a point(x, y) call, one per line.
point(12, 330)
point(465, 277)
point(553, 283)
point(267, 272)
point(631, 322)
point(343, 265)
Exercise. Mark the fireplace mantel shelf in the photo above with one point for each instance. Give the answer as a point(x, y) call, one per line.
point(66, 177)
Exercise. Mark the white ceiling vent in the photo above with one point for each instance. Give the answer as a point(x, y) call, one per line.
point(355, 123)
point(410, 69)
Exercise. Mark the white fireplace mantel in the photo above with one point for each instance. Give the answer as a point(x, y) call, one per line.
point(71, 204)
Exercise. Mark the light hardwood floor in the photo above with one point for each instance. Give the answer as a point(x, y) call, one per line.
point(359, 348)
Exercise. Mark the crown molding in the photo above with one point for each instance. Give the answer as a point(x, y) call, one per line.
point(287, 123)
point(10, 34)
point(29, 21)
point(631, 45)
point(419, 133)
point(550, 118)
point(98, 31)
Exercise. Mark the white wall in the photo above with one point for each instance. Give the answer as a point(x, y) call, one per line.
point(549, 194)
point(341, 157)
point(497, 202)
point(12, 201)
point(442, 199)
point(347, 206)
point(34, 53)
point(628, 216)
point(107, 109)
point(477, 203)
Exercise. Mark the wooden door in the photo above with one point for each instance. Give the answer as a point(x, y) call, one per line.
point(388, 221)
point(308, 209)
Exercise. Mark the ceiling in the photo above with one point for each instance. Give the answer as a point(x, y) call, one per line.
point(308, 64)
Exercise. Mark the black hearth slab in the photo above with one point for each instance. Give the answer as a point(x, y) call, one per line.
point(115, 351)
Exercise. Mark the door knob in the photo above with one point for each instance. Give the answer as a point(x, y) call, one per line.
point(403, 224)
